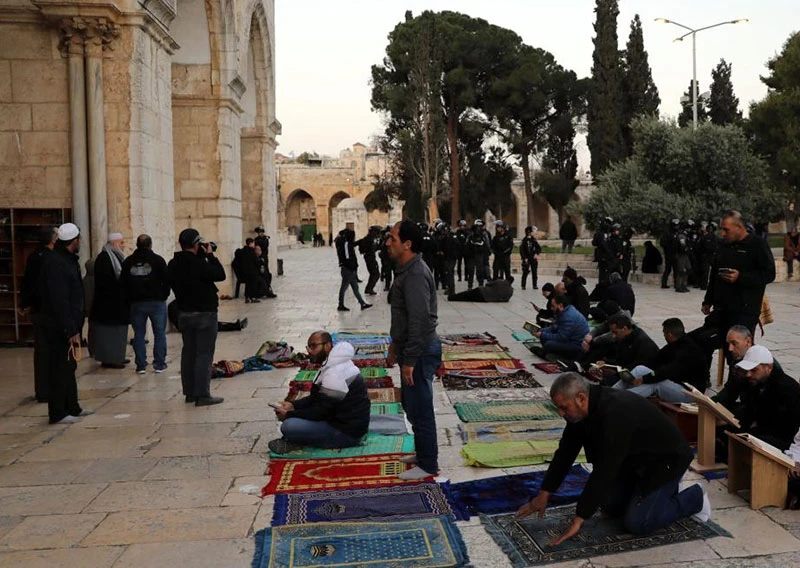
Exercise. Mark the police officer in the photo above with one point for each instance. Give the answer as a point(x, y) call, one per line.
point(707, 250)
point(682, 262)
point(603, 255)
point(668, 246)
point(367, 246)
point(529, 250)
point(387, 265)
point(428, 247)
point(628, 261)
point(440, 233)
point(453, 252)
point(502, 246)
point(474, 255)
point(262, 241)
point(461, 235)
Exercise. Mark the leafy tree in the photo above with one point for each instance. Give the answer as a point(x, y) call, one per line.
point(486, 175)
point(686, 115)
point(680, 172)
point(641, 93)
point(606, 98)
point(304, 157)
point(723, 105)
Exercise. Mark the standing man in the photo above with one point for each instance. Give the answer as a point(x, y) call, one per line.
point(461, 234)
point(387, 264)
point(502, 246)
point(62, 317)
point(668, 246)
point(474, 255)
point(415, 345)
point(529, 250)
point(192, 275)
point(568, 233)
point(345, 250)
point(109, 316)
point(262, 241)
point(31, 305)
point(367, 248)
point(146, 288)
point(743, 267)
point(683, 265)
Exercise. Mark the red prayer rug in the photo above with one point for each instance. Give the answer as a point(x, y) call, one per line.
point(293, 476)
point(450, 366)
point(549, 368)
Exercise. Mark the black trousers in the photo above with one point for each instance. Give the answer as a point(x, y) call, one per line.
point(531, 268)
point(199, 334)
point(475, 268)
point(502, 267)
point(374, 274)
point(668, 262)
point(449, 282)
point(63, 396)
point(458, 266)
point(41, 359)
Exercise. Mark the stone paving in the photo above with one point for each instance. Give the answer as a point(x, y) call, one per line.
point(151, 481)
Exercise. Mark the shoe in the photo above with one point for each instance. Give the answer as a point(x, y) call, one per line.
point(126, 361)
point(68, 419)
point(160, 369)
point(243, 323)
point(112, 365)
point(141, 370)
point(535, 287)
point(189, 399)
point(705, 513)
point(371, 293)
point(86, 412)
point(342, 309)
point(415, 474)
point(366, 306)
point(664, 287)
point(208, 400)
point(271, 295)
point(282, 446)
point(523, 287)
point(253, 301)
point(539, 351)
point(409, 459)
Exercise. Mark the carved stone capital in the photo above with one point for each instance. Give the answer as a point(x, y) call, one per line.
point(162, 10)
point(79, 34)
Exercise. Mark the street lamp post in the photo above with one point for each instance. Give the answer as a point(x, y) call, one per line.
point(693, 32)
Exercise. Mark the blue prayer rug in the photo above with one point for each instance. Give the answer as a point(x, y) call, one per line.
point(508, 493)
point(526, 540)
point(380, 503)
point(417, 543)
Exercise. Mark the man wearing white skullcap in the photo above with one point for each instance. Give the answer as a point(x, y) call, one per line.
point(62, 317)
point(109, 315)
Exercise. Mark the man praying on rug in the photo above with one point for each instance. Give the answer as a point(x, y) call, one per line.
point(336, 414)
point(638, 459)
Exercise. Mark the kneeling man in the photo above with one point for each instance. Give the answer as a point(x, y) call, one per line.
point(336, 414)
point(638, 455)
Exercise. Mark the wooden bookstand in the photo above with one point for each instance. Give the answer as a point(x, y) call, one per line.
point(763, 469)
point(708, 413)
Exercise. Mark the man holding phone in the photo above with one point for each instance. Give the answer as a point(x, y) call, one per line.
point(743, 267)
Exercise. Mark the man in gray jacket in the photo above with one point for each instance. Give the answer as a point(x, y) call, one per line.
point(415, 344)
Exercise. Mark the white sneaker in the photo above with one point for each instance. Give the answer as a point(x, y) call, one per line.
point(69, 419)
point(409, 459)
point(705, 513)
point(415, 474)
point(86, 412)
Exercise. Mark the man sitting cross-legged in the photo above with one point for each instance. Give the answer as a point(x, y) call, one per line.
point(564, 337)
point(336, 414)
point(680, 361)
point(632, 346)
point(638, 457)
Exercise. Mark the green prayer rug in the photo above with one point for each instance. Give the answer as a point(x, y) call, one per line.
point(506, 411)
point(373, 372)
point(306, 375)
point(512, 454)
point(511, 431)
point(373, 444)
point(386, 408)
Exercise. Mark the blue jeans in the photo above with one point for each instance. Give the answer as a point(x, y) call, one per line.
point(317, 433)
point(666, 390)
point(199, 333)
point(350, 278)
point(157, 312)
point(418, 405)
point(644, 513)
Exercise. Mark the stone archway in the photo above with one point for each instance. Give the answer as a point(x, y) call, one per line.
point(333, 203)
point(301, 214)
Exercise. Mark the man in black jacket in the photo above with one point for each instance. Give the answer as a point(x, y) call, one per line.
point(632, 346)
point(743, 267)
point(502, 247)
point(62, 316)
point(568, 233)
point(638, 459)
point(30, 305)
point(368, 247)
point(146, 288)
point(576, 290)
point(345, 250)
point(529, 250)
point(192, 273)
point(680, 361)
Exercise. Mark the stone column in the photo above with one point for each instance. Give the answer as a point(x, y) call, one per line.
point(98, 192)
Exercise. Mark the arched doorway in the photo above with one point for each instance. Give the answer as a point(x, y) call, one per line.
point(332, 204)
point(301, 214)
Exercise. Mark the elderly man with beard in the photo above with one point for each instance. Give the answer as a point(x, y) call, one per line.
point(336, 414)
point(638, 458)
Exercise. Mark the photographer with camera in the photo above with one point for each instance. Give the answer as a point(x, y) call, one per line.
point(192, 275)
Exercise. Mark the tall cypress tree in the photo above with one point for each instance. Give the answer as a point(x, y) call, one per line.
point(606, 101)
point(685, 117)
point(723, 105)
point(641, 93)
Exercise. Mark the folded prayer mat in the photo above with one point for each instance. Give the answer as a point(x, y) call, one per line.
point(476, 356)
point(549, 368)
point(503, 364)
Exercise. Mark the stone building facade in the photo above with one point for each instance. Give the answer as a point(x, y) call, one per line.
point(141, 116)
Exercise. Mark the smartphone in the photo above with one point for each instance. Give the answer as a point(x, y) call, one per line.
point(726, 270)
point(275, 406)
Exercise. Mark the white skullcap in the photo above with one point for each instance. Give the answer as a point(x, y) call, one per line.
point(68, 231)
point(114, 237)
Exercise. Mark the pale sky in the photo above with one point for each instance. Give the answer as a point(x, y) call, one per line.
point(325, 48)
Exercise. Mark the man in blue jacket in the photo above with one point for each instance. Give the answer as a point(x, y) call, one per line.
point(564, 337)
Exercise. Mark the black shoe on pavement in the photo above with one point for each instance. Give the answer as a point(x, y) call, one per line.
point(523, 287)
point(281, 446)
point(371, 293)
point(343, 309)
point(243, 323)
point(535, 287)
point(208, 400)
point(112, 365)
point(189, 399)
point(366, 306)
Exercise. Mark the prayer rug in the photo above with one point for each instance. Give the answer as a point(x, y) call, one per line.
point(386, 408)
point(508, 493)
point(595, 375)
point(372, 362)
point(511, 431)
point(373, 444)
point(505, 411)
point(508, 365)
point(417, 543)
point(483, 373)
point(489, 395)
point(468, 338)
point(472, 348)
point(379, 382)
point(476, 356)
point(525, 540)
point(388, 424)
point(519, 380)
point(373, 372)
point(381, 503)
point(294, 476)
point(549, 368)
point(384, 395)
point(512, 454)
point(371, 349)
point(522, 335)
point(308, 376)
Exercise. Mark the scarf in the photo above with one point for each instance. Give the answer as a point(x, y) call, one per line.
point(116, 258)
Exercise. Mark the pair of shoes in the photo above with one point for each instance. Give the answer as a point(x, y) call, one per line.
point(189, 399)
point(664, 287)
point(112, 365)
point(282, 446)
point(409, 459)
point(160, 369)
point(208, 400)
point(68, 419)
point(141, 370)
point(252, 301)
point(414, 474)
point(704, 514)
point(366, 306)
point(342, 309)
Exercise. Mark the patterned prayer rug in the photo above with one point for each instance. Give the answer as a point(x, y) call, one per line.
point(294, 476)
point(508, 493)
point(373, 372)
point(511, 431)
point(476, 356)
point(520, 380)
point(372, 444)
point(512, 454)
point(372, 349)
point(418, 543)
point(507, 365)
point(525, 540)
point(549, 368)
point(489, 395)
point(378, 382)
point(483, 373)
point(384, 395)
point(386, 408)
point(380, 503)
point(372, 362)
point(504, 411)
point(468, 338)
point(472, 348)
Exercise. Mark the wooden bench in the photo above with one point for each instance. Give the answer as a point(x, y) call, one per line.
point(763, 469)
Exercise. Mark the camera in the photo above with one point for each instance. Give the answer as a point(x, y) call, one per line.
point(213, 246)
